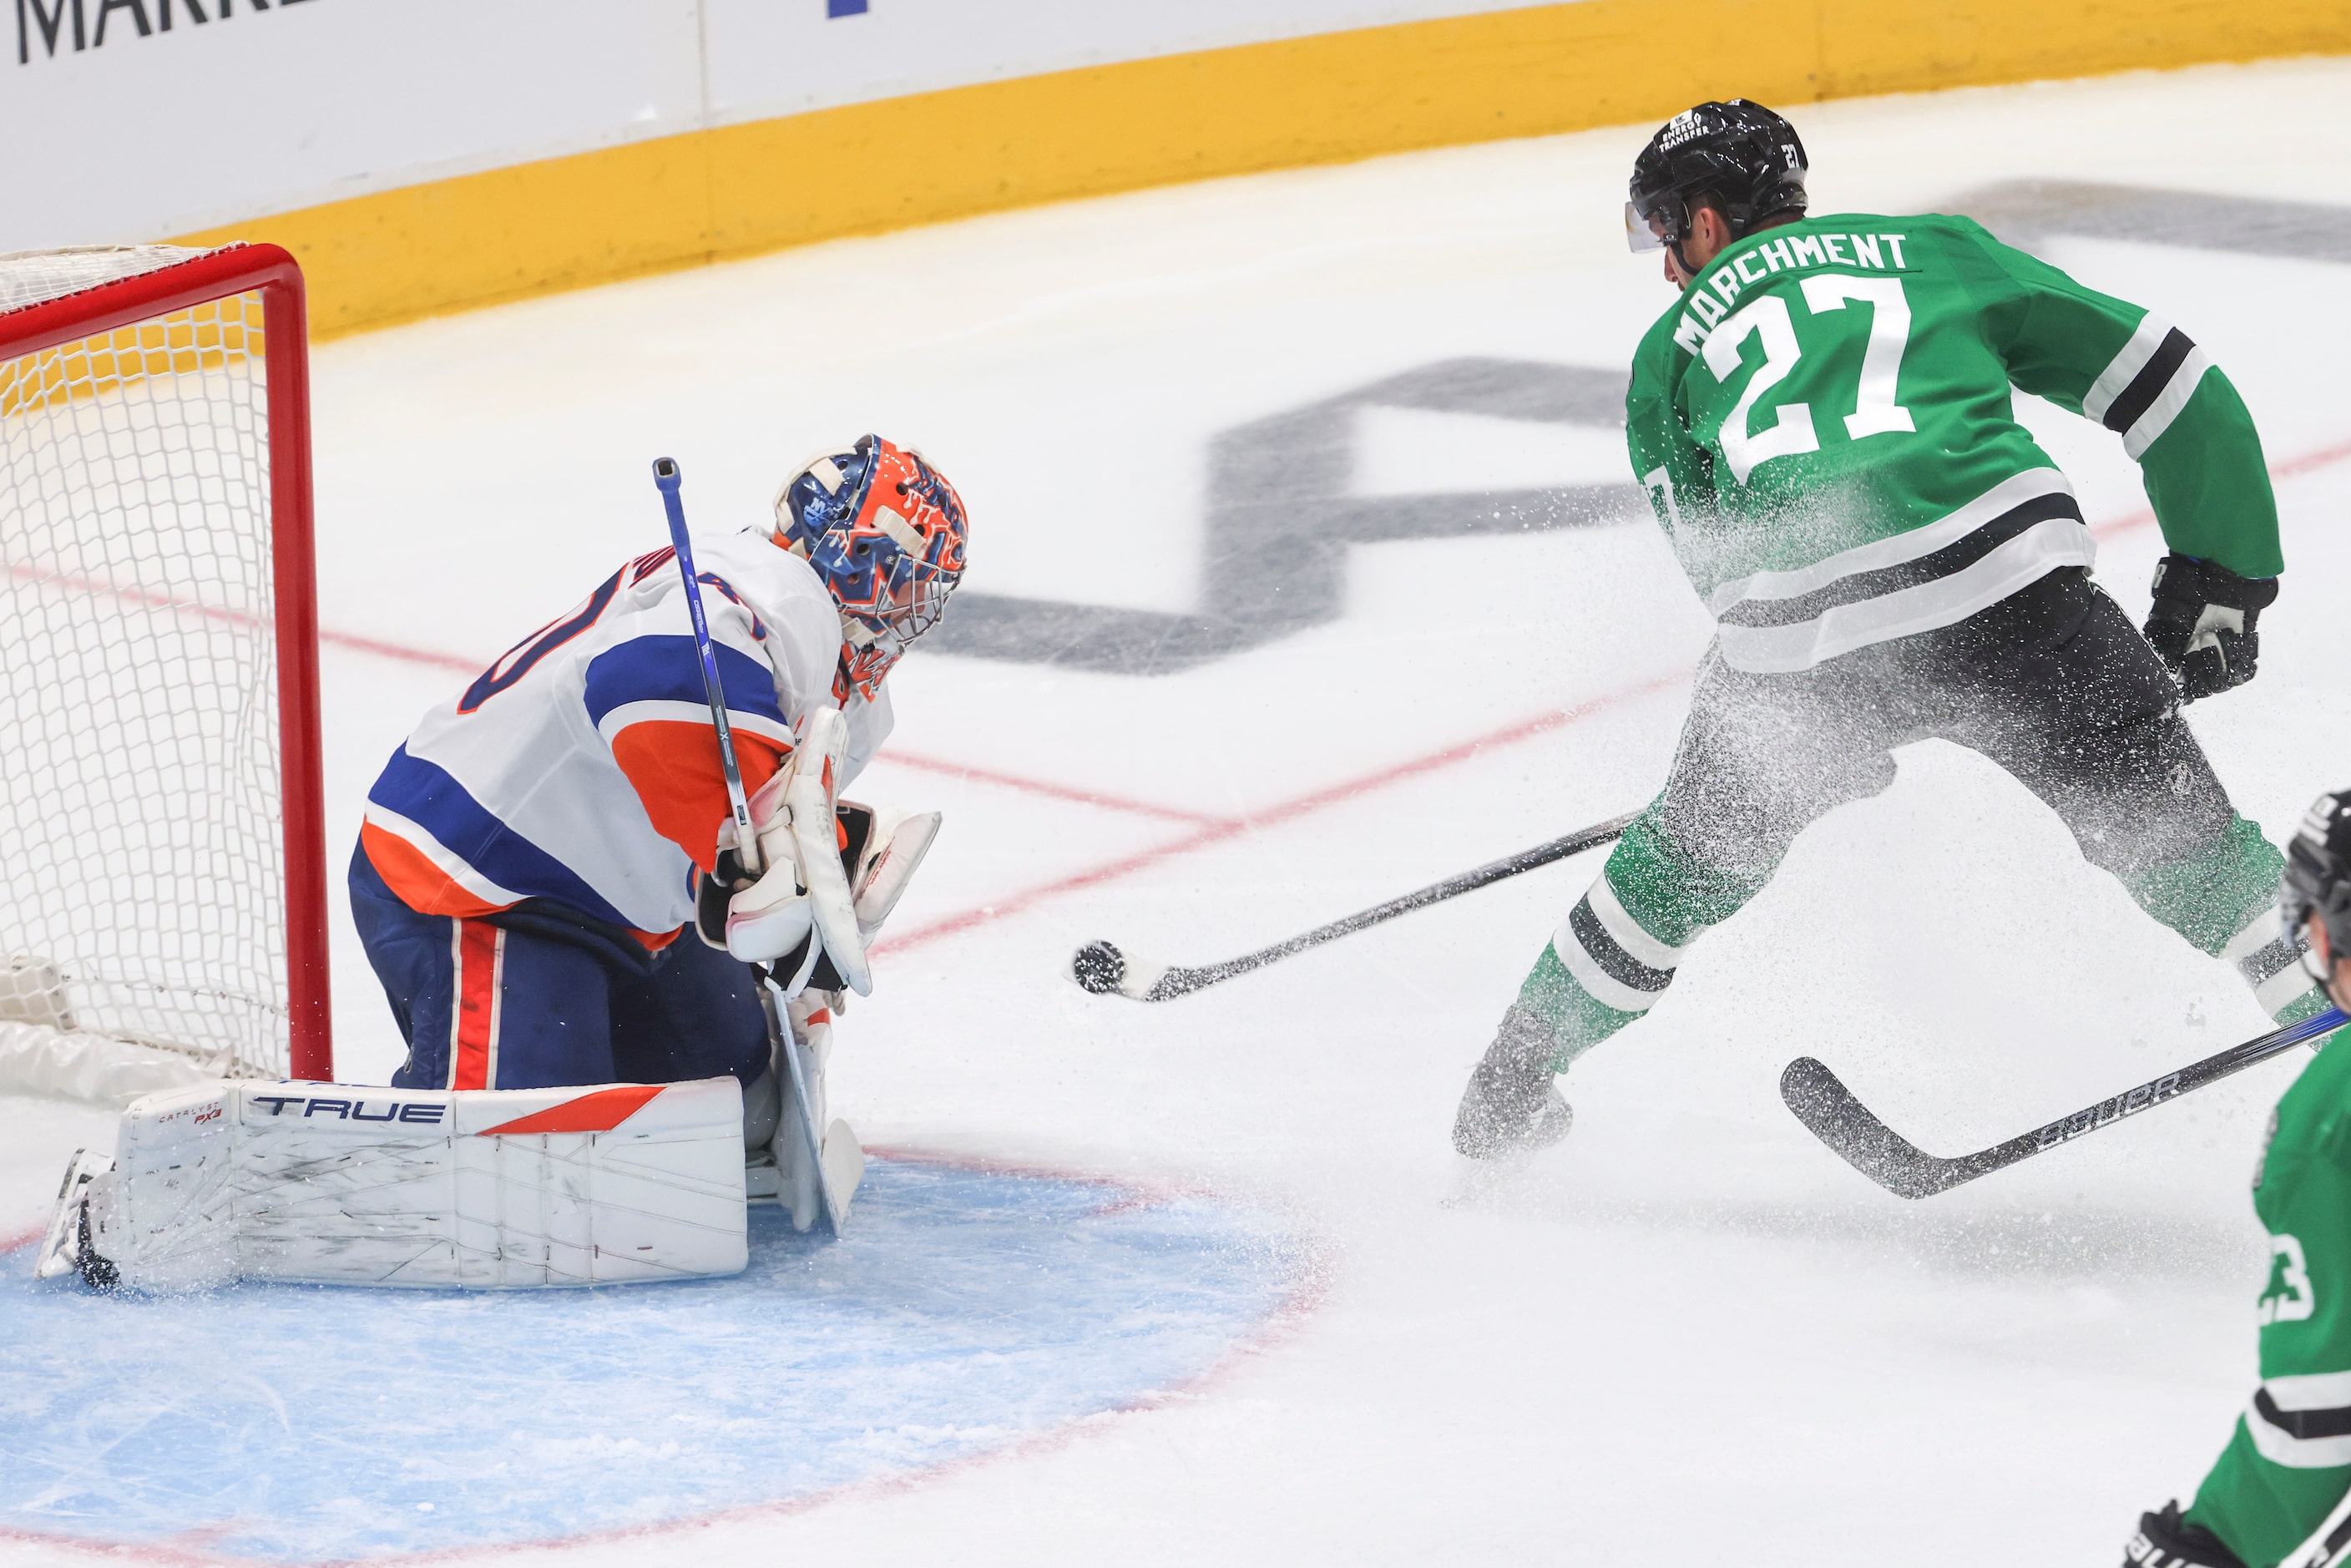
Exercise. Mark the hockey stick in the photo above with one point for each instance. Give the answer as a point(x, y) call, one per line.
point(667, 479)
point(1101, 968)
point(1837, 1118)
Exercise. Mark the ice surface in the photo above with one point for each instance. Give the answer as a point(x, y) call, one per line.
point(1687, 1333)
point(966, 1309)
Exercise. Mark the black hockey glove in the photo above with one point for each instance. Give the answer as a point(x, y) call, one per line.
point(2202, 623)
point(2164, 1542)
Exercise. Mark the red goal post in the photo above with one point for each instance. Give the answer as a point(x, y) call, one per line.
point(156, 536)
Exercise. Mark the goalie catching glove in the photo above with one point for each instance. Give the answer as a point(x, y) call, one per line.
point(2202, 623)
point(831, 870)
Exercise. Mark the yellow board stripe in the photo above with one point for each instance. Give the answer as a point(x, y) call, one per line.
point(684, 200)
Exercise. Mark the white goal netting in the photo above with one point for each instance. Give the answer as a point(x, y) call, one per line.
point(143, 889)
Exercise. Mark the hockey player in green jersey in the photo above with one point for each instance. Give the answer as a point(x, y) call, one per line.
point(1823, 424)
point(2288, 1463)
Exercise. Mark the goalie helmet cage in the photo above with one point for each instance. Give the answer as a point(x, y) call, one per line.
point(162, 863)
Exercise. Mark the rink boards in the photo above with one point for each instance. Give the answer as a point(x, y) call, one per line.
point(969, 1309)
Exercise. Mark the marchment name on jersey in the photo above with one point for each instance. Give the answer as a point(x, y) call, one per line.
point(1791, 253)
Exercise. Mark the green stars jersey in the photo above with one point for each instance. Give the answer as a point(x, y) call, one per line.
point(2288, 1463)
point(1823, 423)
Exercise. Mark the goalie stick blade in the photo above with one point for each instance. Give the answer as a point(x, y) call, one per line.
point(1820, 1099)
point(844, 1169)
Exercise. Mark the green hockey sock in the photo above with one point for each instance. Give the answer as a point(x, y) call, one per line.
point(2210, 897)
point(1618, 949)
point(1578, 1020)
point(2223, 898)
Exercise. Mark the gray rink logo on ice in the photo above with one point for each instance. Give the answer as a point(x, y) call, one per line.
point(79, 25)
point(2113, 1109)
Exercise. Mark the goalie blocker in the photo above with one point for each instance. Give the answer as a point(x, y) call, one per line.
point(342, 1183)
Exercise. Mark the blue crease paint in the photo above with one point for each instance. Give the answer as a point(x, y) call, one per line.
point(966, 1309)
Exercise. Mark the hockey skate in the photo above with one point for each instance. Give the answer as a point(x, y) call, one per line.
point(1514, 1106)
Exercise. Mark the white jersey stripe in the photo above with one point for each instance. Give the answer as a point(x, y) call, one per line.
point(2032, 555)
point(2260, 930)
point(453, 866)
point(2310, 1390)
point(1900, 549)
point(2150, 426)
point(2125, 367)
point(2280, 990)
point(2280, 1446)
point(1604, 989)
point(1619, 922)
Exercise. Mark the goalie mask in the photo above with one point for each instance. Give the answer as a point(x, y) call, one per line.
point(885, 532)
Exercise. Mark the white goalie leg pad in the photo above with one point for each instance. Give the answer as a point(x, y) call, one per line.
point(497, 1190)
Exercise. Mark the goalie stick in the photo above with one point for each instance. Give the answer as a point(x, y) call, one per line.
point(1103, 968)
point(1824, 1104)
point(667, 480)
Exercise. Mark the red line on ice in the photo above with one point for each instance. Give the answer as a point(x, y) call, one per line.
point(1038, 787)
point(1219, 831)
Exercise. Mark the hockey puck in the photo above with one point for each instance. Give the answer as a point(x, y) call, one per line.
point(1098, 967)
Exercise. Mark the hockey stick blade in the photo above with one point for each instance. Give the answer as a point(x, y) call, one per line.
point(1831, 1112)
point(1103, 970)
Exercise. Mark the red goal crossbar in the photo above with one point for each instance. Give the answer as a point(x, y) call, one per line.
point(272, 273)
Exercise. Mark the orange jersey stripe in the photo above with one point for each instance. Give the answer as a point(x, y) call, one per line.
point(415, 880)
point(674, 767)
point(424, 887)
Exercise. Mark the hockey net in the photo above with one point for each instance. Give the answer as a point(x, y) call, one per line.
point(162, 866)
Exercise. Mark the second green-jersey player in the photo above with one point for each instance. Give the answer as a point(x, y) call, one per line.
point(2287, 1463)
point(1824, 424)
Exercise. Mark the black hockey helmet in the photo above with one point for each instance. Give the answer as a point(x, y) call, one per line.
point(2318, 876)
point(1741, 158)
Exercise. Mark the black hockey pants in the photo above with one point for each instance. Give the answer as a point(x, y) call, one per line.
point(2054, 683)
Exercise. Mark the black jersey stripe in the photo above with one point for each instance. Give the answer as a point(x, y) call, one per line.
point(2147, 385)
point(1957, 556)
point(1607, 953)
point(2303, 1424)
